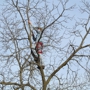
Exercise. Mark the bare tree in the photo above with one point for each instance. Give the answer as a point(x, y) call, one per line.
point(65, 52)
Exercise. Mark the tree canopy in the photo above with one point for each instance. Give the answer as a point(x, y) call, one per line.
point(66, 46)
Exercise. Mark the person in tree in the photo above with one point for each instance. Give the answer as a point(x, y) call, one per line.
point(36, 33)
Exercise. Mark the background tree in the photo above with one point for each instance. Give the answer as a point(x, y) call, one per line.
point(66, 47)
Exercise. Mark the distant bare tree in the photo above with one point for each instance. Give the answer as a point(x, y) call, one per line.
point(66, 47)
